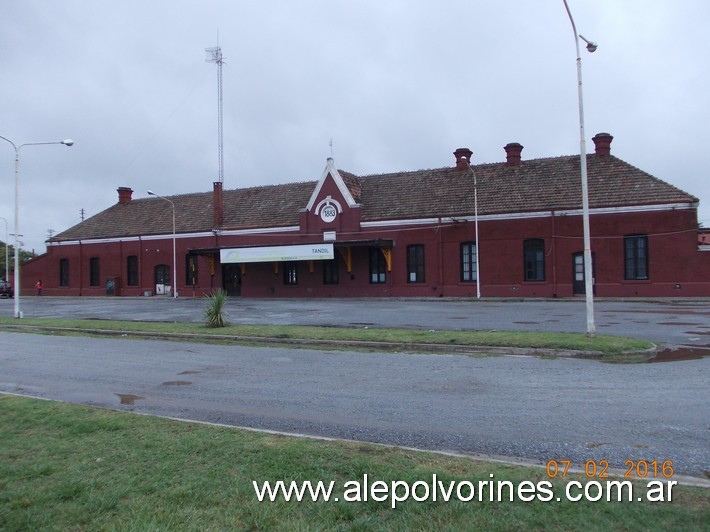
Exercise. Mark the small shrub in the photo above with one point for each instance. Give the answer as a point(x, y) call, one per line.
point(215, 315)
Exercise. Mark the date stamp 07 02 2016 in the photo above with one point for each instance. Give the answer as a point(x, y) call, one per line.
point(634, 469)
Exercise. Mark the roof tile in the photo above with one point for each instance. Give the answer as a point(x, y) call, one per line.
point(535, 185)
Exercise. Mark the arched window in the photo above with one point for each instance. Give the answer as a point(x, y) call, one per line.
point(468, 262)
point(132, 270)
point(94, 272)
point(636, 257)
point(534, 253)
point(63, 272)
point(415, 263)
point(378, 266)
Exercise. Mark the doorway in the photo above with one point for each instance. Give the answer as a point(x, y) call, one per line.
point(232, 279)
point(161, 274)
point(578, 281)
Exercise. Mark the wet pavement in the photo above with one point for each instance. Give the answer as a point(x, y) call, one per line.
point(527, 408)
point(523, 407)
point(678, 323)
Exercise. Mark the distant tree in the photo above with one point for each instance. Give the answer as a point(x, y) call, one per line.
point(24, 257)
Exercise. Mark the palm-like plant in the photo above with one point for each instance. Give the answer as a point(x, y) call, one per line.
point(214, 313)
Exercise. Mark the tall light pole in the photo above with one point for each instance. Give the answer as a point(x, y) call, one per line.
point(475, 223)
point(175, 293)
point(7, 256)
point(66, 142)
point(588, 279)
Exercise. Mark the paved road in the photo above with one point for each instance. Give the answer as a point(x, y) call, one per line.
point(670, 322)
point(508, 406)
point(521, 407)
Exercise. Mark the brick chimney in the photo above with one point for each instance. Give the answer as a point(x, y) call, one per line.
point(463, 158)
point(124, 195)
point(512, 152)
point(218, 204)
point(602, 144)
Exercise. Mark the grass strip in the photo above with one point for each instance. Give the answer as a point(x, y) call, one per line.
point(67, 467)
point(605, 344)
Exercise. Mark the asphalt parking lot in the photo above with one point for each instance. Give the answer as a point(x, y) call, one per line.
point(673, 323)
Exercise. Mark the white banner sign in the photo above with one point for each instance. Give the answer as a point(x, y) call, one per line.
point(277, 253)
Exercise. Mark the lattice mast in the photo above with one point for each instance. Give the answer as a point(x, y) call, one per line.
point(214, 55)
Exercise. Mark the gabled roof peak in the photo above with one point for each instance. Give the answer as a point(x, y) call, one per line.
point(332, 171)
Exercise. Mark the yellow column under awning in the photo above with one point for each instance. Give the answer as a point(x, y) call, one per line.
point(387, 252)
point(347, 255)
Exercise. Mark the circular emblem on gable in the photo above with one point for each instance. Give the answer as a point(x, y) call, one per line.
point(328, 209)
point(328, 213)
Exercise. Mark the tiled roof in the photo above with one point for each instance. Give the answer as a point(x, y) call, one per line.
point(354, 184)
point(273, 206)
point(534, 185)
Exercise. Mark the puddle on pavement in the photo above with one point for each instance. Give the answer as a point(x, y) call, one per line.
point(176, 383)
point(128, 399)
point(683, 353)
point(670, 312)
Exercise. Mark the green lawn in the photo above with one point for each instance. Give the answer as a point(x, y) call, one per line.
point(609, 346)
point(66, 467)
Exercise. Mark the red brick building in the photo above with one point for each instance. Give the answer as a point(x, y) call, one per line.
point(399, 234)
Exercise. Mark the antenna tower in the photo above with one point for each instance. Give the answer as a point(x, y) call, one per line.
point(214, 55)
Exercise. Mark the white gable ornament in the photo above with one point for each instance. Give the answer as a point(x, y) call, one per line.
point(332, 172)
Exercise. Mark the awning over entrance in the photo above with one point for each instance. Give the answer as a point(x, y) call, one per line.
point(320, 251)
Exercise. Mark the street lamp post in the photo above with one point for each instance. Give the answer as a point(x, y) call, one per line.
point(175, 293)
point(475, 223)
point(588, 280)
point(66, 142)
point(7, 256)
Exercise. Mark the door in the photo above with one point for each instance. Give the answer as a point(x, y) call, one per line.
point(162, 279)
point(232, 279)
point(578, 284)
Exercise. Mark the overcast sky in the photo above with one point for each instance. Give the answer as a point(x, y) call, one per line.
point(397, 85)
